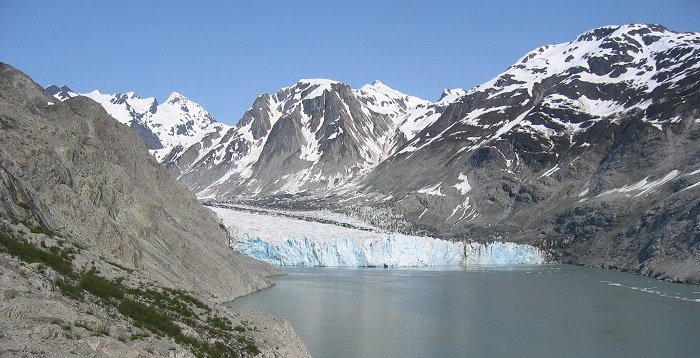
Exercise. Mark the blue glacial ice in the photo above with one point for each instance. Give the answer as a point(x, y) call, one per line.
point(285, 241)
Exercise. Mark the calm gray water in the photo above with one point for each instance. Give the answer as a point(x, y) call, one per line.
point(512, 311)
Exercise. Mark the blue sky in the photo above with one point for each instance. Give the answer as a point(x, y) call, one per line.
point(223, 54)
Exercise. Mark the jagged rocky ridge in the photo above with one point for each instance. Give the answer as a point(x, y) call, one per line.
point(586, 148)
point(77, 177)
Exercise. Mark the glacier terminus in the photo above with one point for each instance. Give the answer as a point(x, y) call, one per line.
point(283, 239)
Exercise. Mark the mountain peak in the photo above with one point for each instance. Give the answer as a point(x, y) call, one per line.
point(176, 97)
point(603, 32)
point(62, 93)
point(451, 95)
point(310, 88)
point(378, 85)
point(132, 95)
point(318, 81)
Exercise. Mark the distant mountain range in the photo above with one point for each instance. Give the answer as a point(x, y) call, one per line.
point(325, 133)
point(178, 121)
point(587, 148)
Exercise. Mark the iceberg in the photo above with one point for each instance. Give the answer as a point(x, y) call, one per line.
point(284, 241)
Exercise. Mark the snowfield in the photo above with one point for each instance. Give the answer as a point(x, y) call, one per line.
point(286, 241)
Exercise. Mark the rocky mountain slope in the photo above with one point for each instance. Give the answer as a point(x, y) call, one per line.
point(315, 135)
point(588, 148)
point(80, 188)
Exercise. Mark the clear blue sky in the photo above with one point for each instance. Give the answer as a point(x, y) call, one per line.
point(223, 54)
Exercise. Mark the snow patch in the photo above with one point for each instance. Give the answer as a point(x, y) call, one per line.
point(433, 190)
point(550, 172)
point(644, 186)
point(463, 186)
point(321, 85)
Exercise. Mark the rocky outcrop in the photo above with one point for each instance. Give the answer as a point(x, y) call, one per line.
point(71, 170)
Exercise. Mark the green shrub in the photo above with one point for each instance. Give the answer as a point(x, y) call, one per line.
point(248, 345)
point(69, 290)
point(100, 286)
point(30, 253)
point(153, 309)
point(149, 317)
point(42, 230)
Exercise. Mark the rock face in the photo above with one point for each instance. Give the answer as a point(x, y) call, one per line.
point(83, 174)
point(71, 169)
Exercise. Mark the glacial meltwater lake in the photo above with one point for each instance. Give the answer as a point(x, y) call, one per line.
point(497, 311)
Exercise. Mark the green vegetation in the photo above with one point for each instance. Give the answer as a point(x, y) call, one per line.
point(125, 269)
point(55, 258)
point(154, 309)
point(69, 290)
point(35, 229)
point(99, 286)
point(148, 317)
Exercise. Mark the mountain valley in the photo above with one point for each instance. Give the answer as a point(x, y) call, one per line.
point(586, 149)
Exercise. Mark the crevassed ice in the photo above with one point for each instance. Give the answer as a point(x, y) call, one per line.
point(285, 241)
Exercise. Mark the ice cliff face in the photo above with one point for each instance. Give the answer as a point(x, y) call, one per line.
point(285, 241)
point(389, 250)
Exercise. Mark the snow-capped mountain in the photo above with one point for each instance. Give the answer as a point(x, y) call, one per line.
point(558, 112)
point(588, 147)
point(178, 121)
point(315, 136)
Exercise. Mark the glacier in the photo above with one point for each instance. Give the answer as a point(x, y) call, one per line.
point(282, 240)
